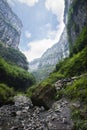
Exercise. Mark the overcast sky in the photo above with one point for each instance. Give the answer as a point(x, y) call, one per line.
point(42, 24)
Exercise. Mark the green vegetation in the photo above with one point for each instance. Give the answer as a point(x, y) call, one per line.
point(15, 76)
point(73, 27)
point(6, 94)
point(43, 95)
point(13, 73)
point(42, 73)
point(81, 42)
point(77, 92)
point(75, 65)
point(31, 90)
point(13, 56)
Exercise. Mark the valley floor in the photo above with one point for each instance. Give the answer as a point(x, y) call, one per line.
point(24, 116)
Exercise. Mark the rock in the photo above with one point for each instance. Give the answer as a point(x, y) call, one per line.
point(18, 113)
point(22, 117)
point(44, 96)
point(76, 104)
point(79, 18)
point(10, 25)
point(23, 101)
point(50, 58)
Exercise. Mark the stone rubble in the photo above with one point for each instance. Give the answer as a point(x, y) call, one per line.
point(64, 82)
point(24, 116)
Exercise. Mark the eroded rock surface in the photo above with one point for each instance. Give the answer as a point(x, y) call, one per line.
point(10, 25)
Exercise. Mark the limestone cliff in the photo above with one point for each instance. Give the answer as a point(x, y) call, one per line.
point(10, 25)
point(43, 66)
point(53, 54)
point(77, 19)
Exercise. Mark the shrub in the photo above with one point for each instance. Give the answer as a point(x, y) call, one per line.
point(6, 94)
point(13, 56)
point(15, 76)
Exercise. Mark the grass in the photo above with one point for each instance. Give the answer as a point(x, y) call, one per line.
point(77, 92)
point(6, 94)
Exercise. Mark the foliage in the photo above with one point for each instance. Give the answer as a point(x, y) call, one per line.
point(81, 42)
point(53, 77)
point(43, 95)
point(42, 73)
point(15, 76)
point(77, 92)
point(13, 56)
point(73, 27)
point(6, 94)
point(75, 65)
point(31, 90)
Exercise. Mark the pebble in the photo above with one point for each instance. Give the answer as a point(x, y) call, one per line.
point(24, 116)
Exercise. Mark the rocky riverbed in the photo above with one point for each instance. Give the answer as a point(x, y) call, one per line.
point(24, 116)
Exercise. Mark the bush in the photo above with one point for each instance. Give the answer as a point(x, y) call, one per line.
point(13, 56)
point(15, 76)
point(44, 95)
point(75, 65)
point(81, 42)
point(77, 91)
point(6, 94)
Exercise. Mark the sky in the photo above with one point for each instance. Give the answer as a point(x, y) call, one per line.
point(42, 24)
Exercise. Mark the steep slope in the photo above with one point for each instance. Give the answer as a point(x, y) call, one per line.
point(70, 76)
point(10, 25)
point(15, 76)
point(44, 65)
point(10, 31)
point(13, 64)
point(77, 20)
point(13, 56)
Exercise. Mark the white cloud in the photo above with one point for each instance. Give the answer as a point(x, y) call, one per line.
point(56, 6)
point(37, 48)
point(27, 34)
point(27, 2)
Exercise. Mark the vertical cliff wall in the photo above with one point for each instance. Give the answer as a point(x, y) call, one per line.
point(77, 19)
point(53, 55)
point(10, 26)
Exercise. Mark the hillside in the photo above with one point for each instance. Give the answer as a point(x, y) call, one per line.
point(13, 56)
point(14, 76)
point(43, 66)
point(69, 78)
point(59, 102)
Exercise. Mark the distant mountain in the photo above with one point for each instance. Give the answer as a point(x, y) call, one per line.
point(50, 58)
point(43, 66)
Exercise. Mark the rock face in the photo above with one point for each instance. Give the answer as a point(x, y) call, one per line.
point(67, 6)
point(10, 26)
point(52, 56)
point(77, 19)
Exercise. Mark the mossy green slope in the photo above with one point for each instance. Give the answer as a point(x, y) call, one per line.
point(13, 56)
point(6, 94)
point(15, 76)
point(77, 95)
